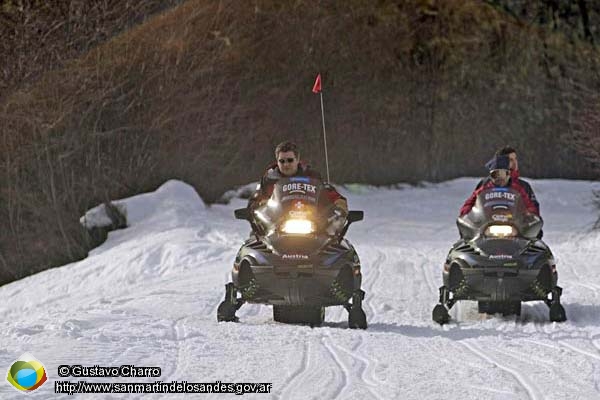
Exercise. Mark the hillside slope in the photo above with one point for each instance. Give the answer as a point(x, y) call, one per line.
point(413, 90)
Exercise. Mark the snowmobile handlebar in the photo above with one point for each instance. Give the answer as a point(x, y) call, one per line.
point(355, 216)
point(245, 214)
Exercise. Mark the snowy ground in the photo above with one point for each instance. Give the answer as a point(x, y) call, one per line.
point(148, 297)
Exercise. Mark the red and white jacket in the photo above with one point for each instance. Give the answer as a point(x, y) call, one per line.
point(512, 183)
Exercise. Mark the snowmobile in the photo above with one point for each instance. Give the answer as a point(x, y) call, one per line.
point(297, 258)
point(499, 260)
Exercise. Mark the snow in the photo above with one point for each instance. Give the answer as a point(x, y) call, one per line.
point(148, 297)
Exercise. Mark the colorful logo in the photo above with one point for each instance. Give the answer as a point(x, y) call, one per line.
point(26, 374)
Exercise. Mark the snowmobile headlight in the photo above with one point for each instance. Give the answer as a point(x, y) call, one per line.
point(298, 226)
point(500, 231)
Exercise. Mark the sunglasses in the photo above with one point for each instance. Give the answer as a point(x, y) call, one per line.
point(284, 160)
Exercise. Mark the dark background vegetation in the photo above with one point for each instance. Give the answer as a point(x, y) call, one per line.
point(102, 100)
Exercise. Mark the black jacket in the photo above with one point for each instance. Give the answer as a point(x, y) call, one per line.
point(270, 177)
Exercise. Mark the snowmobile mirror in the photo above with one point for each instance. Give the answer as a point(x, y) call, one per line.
point(354, 216)
point(242, 213)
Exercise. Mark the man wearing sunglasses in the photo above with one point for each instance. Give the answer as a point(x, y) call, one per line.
point(287, 163)
point(500, 176)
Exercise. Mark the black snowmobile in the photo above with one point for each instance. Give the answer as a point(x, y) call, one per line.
point(499, 261)
point(296, 258)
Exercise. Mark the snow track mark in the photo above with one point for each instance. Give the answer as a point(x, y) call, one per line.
point(580, 351)
point(343, 381)
point(373, 281)
point(532, 392)
point(298, 378)
point(423, 270)
point(361, 371)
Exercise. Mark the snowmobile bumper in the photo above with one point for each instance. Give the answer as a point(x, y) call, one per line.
point(303, 285)
point(499, 283)
point(325, 279)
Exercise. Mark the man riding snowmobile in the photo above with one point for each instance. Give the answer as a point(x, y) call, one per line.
point(500, 175)
point(287, 163)
point(296, 258)
point(499, 261)
point(515, 176)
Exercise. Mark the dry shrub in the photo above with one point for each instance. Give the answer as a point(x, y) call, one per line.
point(584, 135)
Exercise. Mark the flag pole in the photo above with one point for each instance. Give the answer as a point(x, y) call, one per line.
point(324, 136)
point(317, 89)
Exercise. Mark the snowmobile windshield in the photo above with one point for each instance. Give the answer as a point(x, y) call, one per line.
point(499, 212)
point(293, 208)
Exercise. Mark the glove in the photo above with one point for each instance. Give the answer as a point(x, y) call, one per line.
point(338, 213)
point(531, 218)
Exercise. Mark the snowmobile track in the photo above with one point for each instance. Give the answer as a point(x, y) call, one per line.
point(532, 392)
point(364, 365)
point(344, 376)
point(578, 350)
point(297, 379)
point(372, 278)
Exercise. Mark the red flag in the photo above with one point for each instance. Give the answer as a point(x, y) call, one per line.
point(317, 86)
